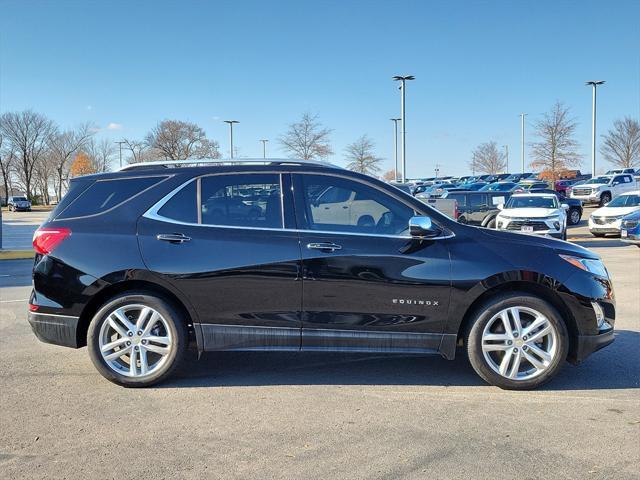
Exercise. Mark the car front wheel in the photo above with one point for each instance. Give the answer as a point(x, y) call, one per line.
point(574, 216)
point(517, 341)
point(137, 339)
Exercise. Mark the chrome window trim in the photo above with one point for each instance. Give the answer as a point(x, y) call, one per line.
point(152, 213)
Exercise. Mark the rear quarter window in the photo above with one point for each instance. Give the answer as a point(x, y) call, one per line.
point(106, 194)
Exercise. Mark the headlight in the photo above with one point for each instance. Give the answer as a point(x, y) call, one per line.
point(587, 264)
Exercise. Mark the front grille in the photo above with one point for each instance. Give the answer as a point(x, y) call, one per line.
point(604, 220)
point(581, 191)
point(518, 224)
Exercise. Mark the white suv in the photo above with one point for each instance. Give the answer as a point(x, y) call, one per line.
point(603, 189)
point(537, 213)
point(608, 219)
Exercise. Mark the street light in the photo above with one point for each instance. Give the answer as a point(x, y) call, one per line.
point(120, 143)
point(506, 151)
point(395, 146)
point(264, 148)
point(594, 84)
point(522, 115)
point(231, 122)
point(403, 79)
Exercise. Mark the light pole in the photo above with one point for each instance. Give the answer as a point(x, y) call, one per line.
point(522, 115)
point(506, 152)
point(437, 170)
point(231, 122)
point(264, 148)
point(403, 146)
point(395, 146)
point(120, 144)
point(594, 84)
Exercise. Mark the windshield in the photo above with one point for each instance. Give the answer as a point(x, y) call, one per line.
point(19, 199)
point(625, 201)
point(597, 180)
point(532, 202)
point(498, 187)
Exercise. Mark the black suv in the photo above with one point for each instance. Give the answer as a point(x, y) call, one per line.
point(478, 208)
point(285, 255)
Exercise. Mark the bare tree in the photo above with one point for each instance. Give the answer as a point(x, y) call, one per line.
point(361, 157)
point(44, 175)
point(139, 150)
point(29, 133)
point(307, 139)
point(101, 153)
point(63, 146)
point(556, 149)
point(390, 175)
point(621, 145)
point(487, 158)
point(7, 160)
point(177, 140)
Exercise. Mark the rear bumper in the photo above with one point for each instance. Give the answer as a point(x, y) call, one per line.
point(55, 329)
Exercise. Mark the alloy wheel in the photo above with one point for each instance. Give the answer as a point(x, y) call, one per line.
point(135, 340)
point(519, 343)
point(575, 217)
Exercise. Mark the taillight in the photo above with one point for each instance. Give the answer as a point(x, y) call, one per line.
point(45, 240)
point(455, 210)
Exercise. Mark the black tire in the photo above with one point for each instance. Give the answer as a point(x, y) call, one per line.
point(564, 235)
point(176, 324)
point(482, 316)
point(491, 223)
point(599, 235)
point(605, 198)
point(574, 216)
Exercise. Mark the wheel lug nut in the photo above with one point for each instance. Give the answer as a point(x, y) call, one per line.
point(128, 344)
point(130, 334)
point(139, 332)
point(137, 348)
point(525, 348)
point(510, 342)
point(515, 350)
point(144, 342)
point(515, 334)
point(524, 338)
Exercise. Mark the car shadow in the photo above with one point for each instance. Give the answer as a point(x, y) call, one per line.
point(615, 367)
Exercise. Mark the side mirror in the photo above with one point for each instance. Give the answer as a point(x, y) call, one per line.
point(422, 227)
point(565, 206)
point(501, 206)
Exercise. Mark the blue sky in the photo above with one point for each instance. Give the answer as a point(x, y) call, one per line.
point(477, 66)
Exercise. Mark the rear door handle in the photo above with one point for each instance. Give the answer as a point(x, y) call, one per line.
point(173, 237)
point(324, 246)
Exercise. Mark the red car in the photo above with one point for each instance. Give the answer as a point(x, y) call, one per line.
point(561, 186)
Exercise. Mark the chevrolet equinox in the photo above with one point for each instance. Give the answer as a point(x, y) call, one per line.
point(301, 256)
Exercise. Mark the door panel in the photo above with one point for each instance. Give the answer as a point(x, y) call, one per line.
point(244, 282)
point(370, 291)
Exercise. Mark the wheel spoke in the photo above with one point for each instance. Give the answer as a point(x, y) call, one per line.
point(506, 323)
point(144, 313)
point(116, 326)
point(117, 354)
point(515, 367)
point(150, 324)
point(155, 348)
point(546, 357)
point(124, 320)
point(155, 339)
point(535, 325)
point(534, 361)
point(144, 365)
point(133, 359)
point(114, 344)
point(504, 364)
point(541, 333)
point(515, 314)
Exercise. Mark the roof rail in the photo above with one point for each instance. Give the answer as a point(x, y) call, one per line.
point(226, 162)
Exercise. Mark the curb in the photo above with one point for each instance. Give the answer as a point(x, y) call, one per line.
point(16, 254)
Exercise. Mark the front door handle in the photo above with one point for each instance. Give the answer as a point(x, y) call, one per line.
point(324, 246)
point(173, 237)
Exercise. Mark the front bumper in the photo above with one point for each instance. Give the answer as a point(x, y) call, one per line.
point(592, 198)
point(585, 345)
point(549, 228)
point(55, 329)
point(609, 227)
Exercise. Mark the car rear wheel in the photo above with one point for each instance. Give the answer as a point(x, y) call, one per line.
point(517, 341)
point(137, 339)
point(597, 234)
point(605, 198)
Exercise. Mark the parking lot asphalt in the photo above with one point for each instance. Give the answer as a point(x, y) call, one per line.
point(18, 228)
point(311, 415)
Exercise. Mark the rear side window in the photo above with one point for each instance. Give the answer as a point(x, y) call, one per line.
point(251, 200)
point(459, 197)
point(183, 206)
point(477, 200)
point(104, 195)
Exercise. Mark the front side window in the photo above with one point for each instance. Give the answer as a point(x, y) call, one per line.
point(251, 200)
point(342, 205)
point(478, 200)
